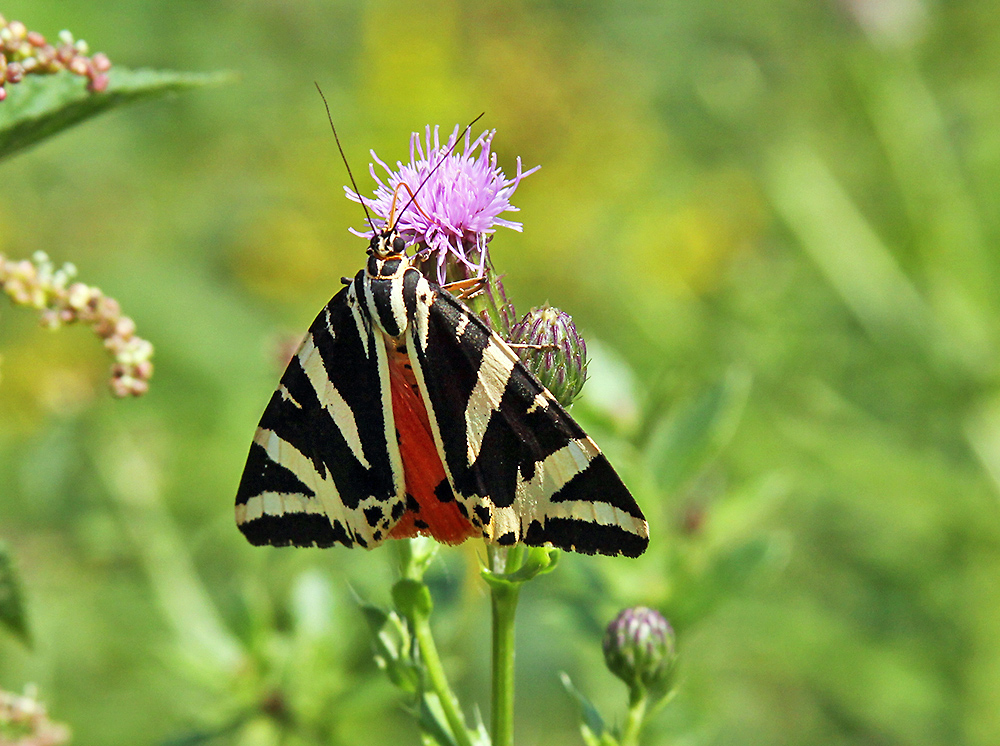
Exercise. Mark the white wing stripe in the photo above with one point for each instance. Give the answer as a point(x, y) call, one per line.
point(491, 382)
point(282, 452)
point(425, 299)
point(330, 398)
point(533, 497)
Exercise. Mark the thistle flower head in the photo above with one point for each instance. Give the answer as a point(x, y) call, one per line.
point(461, 196)
point(640, 648)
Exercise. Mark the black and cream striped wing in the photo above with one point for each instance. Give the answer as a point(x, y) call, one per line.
point(520, 466)
point(324, 466)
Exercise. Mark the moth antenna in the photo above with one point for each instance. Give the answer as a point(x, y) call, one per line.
point(392, 208)
point(413, 195)
point(347, 165)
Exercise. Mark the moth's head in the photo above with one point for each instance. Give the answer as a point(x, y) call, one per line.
point(386, 243)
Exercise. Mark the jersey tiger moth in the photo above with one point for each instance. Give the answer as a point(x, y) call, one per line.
point(403, 413)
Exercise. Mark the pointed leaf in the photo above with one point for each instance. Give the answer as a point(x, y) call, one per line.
point(43, 105)
point(592, 727)
point(479, 735)
point(433, 723)
point(412, 599)
point(393, 647)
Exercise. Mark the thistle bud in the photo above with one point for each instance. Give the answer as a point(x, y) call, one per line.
point(640, 648)
point(557, 355)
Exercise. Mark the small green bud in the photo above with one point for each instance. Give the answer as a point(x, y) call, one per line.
point(558, 355)
point(640, 648)
point(416, 555)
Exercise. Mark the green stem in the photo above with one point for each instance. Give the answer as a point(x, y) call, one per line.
point(504, 598)
point(438, 680)
point(638, 700)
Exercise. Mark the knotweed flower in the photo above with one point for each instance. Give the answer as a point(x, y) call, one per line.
point(457, 207)
point(25, 721)
point(24, 52)
point(38, 284)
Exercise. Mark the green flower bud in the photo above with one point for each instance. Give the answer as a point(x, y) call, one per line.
point(557, 356)
point(640, 648)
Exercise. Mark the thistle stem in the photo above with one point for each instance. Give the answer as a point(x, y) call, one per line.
point(638, 701)
point(438, 680)
point(504, 602)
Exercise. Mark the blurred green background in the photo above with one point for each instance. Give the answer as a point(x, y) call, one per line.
point(776, 223)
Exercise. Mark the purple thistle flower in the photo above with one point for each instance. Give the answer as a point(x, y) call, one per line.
point(456, 212)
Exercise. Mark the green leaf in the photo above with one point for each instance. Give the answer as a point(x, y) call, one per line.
point(696, 430)
point(12, 613)
point(479, 735)
point(434, 730)
point(412, 598)
point(43, 105)
point(592, 727)
point(393, 647)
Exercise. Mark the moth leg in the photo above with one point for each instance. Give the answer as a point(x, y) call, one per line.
point(467, 288)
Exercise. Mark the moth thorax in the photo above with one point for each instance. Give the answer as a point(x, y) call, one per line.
point(385, 269)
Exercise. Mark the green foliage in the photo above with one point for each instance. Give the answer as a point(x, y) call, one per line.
point(393, 646)
point(405, 649)
point(12, 611)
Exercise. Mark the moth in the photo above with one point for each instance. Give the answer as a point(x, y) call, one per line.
point(403, 413)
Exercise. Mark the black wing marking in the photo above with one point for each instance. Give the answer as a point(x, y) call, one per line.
point(519, 464)
point(324, 466)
